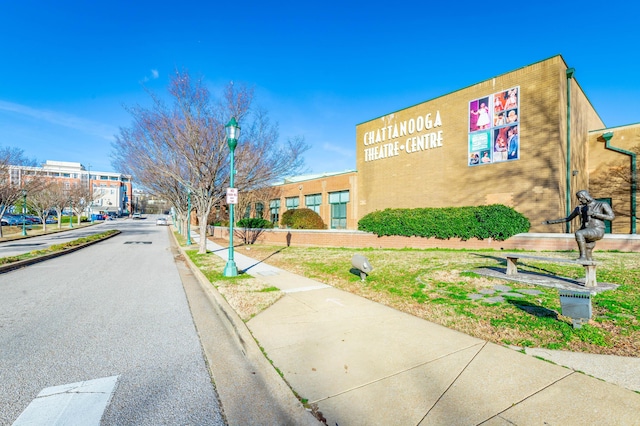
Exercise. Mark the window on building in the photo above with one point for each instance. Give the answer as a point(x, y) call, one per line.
point(259, 210)
point(338, 202)
point(313, 202)
point(274, 210)
point(292, 202)
point(247, 212)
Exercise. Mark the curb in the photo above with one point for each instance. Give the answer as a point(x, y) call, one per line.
point(250, 348)
point(27, 262)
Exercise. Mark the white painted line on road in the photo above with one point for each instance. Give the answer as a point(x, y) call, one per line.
point(309, 288)
point(81, 404)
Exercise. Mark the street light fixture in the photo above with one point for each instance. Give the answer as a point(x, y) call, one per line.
point(24, 212)
point(188, 216)
point(90, 193)
point(233, 132)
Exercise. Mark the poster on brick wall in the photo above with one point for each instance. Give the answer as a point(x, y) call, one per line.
point(494, 124)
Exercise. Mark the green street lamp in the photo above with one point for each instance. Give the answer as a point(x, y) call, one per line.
point(233, 132)
point(24, 212)
point(188, 216)
point(90, 193)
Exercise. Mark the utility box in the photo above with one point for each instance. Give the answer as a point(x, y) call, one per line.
point(576, 305)
point(362, 264)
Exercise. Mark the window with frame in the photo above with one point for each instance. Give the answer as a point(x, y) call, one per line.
point(274, 211)
point(292, 202)
point(259, 210)
point(338, 202)
point(313, 202)
point(247, 212)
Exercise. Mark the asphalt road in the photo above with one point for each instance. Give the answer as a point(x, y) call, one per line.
point(15, 247)
point(114, 309)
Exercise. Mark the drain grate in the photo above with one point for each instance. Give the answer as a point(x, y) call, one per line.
point(137, 242)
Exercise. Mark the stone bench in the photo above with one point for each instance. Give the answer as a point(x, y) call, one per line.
point(589, 265)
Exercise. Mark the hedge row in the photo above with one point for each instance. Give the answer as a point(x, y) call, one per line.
point(253, 223)
point(495, 221)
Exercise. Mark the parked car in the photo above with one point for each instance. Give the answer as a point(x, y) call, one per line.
point(162, 221)
point(136, 216)
point(11, 220)
point(34, 219)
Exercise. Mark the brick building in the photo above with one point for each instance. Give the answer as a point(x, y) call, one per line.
point(528, 139)
point(112, 192)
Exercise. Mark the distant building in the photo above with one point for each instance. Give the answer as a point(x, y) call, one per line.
point(112, 192)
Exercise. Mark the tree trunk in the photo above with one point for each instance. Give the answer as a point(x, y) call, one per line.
point(202, 244)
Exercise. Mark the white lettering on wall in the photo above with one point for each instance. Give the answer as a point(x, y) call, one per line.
point(382, 143)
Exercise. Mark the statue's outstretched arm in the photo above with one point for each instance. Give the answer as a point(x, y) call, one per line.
point(573, 214)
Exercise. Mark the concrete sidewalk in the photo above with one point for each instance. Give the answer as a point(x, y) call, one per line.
point(363, 363)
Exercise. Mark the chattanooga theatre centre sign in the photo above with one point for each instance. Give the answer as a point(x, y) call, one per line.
point(409, 136)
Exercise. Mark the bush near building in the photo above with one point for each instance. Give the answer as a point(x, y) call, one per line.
point(254, 223)
point(494, 221)
point(302, 219)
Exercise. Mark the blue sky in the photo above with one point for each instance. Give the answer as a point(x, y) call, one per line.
point(319, 67)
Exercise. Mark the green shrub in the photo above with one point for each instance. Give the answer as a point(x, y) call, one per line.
point(302, 219)
point(254, 223)
point(286, 219)
point(495, 221)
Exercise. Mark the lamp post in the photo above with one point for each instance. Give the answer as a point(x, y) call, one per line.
point(70, 214)
point(233, 132)
point(90, 193)
point(24, 212)
point(188, 216)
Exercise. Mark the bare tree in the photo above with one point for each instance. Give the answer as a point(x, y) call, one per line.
point(250, 199)
point(12, 187)
point(182, 147)
point(59, 196)
point(80, 196)
point(42, 201)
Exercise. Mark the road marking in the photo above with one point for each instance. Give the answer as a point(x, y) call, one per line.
point(81, 403)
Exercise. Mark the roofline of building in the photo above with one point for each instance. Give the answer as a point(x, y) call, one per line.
point(303, 178)
point(478, 82)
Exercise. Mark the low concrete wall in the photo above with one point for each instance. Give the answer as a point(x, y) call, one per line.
point(359, 239)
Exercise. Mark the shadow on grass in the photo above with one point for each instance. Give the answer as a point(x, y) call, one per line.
point(261, 261)
point(533, 309)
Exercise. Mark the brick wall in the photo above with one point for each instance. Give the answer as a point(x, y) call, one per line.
point(358, 239)
point(440, 176)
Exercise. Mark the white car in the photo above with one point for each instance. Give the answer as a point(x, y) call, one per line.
point(162, 221)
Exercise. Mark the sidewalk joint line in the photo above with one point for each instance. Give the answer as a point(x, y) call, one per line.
point(398, 373)
point(484, 345)
point(571, 372)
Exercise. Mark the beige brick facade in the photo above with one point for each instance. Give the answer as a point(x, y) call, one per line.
point(610, 170)
point(441, 175)
point(421, 156)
